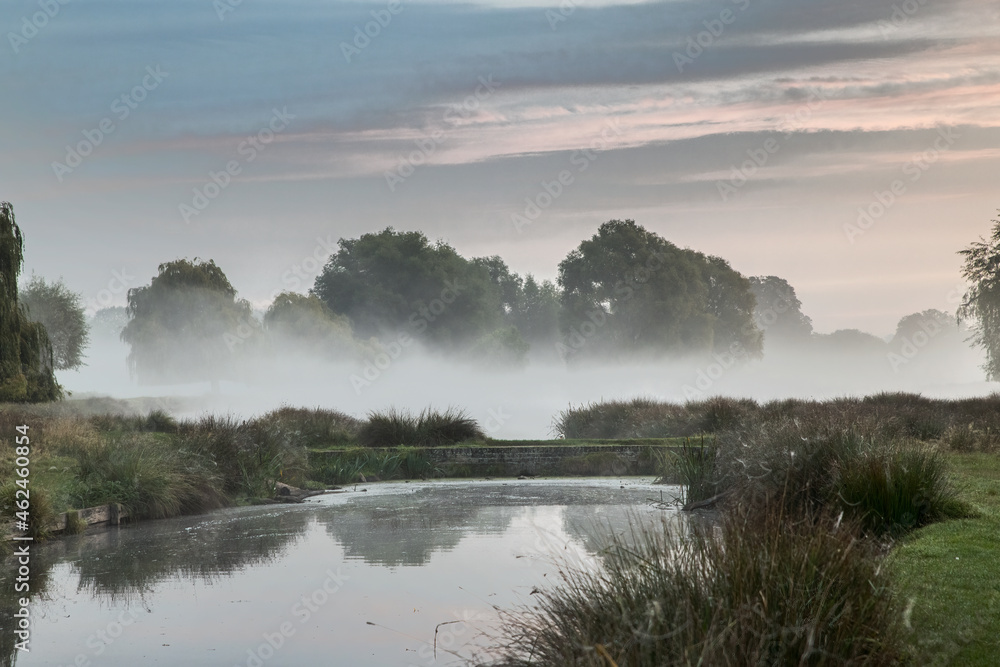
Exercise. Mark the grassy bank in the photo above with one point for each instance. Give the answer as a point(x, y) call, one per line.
point(99, 451)
point(849, 532)
point(947, 574)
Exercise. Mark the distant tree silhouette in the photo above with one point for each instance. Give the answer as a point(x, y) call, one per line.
point(304, 324)
point(391, 283)
point(779, 312)
point(628, 291)
point(187, 325)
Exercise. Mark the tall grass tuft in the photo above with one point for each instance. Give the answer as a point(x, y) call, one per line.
point(250, 456)
point(430, 428)
point(764, 588)
point(896, 488)
point(693, 468)
point(152, 479)
point(315, 428)
point(637, 418)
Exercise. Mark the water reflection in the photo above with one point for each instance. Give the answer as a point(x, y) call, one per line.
point(207, 589)
point(121, 566)
point(383, 531)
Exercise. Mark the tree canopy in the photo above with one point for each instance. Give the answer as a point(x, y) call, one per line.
point(627, 291)
point(398, 282)
point(528, 307)
point(60, 311)
point(188, 325)
point(304, 324)
point(26, 360)
point(981, 304)
point(779, 312)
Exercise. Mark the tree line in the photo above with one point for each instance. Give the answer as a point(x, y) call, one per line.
point(625, 294)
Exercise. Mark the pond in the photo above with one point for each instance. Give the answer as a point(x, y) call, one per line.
point(358, 578)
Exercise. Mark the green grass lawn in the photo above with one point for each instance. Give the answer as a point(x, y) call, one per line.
point(949, 574)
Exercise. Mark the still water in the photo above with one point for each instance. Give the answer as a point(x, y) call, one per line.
point(356, 578)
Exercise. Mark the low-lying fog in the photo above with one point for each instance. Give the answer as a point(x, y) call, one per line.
point(520, 403)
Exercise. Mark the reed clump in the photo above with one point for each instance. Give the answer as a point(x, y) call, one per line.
point(429, 428)
point(762, 587)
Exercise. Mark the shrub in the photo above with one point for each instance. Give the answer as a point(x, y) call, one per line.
point(718, 413)
point(251, 456)
point(159, 421)
point(968, 438)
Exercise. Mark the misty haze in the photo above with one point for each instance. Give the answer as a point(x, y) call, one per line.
point(502, 333)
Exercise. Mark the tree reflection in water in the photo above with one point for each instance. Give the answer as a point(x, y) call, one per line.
point(123, 565)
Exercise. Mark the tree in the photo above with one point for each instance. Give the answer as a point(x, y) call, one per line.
point(26, 361)
point(509, 285)
point(187, 325)
point(530, 307)
point(60, 311)
point(731, 303)
point(537, 317)
point(931, 339)
point(981, 304)
point(109, 322)
point(779, 312)
point(394, 283)
point(928, 324)
point(300, 323)
point(628, 291)
point(851, 343)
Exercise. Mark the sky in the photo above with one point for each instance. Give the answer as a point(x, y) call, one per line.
point(850, 146)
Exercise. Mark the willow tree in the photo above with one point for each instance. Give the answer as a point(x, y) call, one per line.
point(187, 326)
point(981, 304)
point(26, 367)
